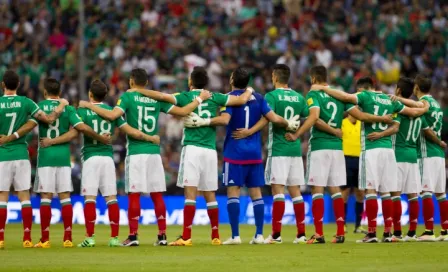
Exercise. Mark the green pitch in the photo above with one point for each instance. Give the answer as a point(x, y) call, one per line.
point(204, 257)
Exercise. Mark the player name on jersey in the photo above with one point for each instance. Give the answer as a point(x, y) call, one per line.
point(144, 99)
point(384, 101)
point(288, 98)
point(11, 105)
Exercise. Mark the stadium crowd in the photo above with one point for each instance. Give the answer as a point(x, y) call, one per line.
point(383, 39)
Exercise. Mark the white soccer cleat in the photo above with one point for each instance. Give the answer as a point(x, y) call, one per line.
point(257, 240)
point(233, 241)
point(410, 238)
point(427, 237)
point(302, 240)
point(271, 240)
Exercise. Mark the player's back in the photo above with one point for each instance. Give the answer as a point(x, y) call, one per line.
point(287, 103)
point(332, 113)
point(14, 112)
point(142, 113)
point(405, 141)
point(202, 136)
point(380, 104)
point(101, 126)
point(434, 119)
point(247, 150)
point(56, 155)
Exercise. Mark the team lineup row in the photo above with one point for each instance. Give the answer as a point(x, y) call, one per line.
point(245, 113)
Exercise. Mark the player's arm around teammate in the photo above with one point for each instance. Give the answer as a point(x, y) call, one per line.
point(117, 112)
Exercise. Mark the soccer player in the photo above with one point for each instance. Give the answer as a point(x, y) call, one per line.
point(284, 164)
point(15, 167)
point(407, 131)
point(431, 156)
point(243, 159)
point(98, 171)
point(378, 167)
point(144, 169)
point(326, 163)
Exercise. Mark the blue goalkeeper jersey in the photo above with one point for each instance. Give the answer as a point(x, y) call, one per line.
point(248, 150)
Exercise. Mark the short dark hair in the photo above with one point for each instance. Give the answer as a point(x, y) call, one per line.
point(406, 86)
point(282, 72)
point(319, 73)
point(52, 86)
point(199, 77)
point(241, 78)
point(139, 76)
point(98, 90)
point(11, 80)
point(423, 83)
point(365, 83)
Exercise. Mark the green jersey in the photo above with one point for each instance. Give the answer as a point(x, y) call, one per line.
point(56, 155)
point(405, 141)
point(286, 103)
point(332, 113)
point(434, 118)
point(14, 112)
point(202, 136)
point(101, 126)
point(380, 104)
point(142, 113)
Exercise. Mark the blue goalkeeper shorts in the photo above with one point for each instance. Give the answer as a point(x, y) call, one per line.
point(249, 175)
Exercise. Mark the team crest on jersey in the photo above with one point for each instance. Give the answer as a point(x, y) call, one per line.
point(309, 101)
point(118, 102)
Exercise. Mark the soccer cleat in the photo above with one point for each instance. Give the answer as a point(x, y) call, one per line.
point(67, 244)
point(408, 238)
point(161, 240)
point(216, 242)
point(387, 238)
point(181, 242)
point(88, 242)
point(316, 239)
point(443, 236)
point(233, 241)
point(114, 242)
point(369, 238)
point(41, 244)
point(300, 240)
point(258, 239)
point(338, 240)
point(131, 241)
point(427, 236)
point(27, 244)
point(272, 240)
point(397, 238)
point(360, 230)
point(2, 244)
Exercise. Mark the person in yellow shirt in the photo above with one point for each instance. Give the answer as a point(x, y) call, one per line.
point(351, 145)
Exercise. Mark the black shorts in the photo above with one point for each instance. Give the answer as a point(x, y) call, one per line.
point(352, 169)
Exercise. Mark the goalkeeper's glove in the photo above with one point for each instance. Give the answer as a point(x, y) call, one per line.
point(293, 123)
point(193, 120)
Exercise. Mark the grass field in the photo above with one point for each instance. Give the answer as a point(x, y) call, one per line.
point(204, 257)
